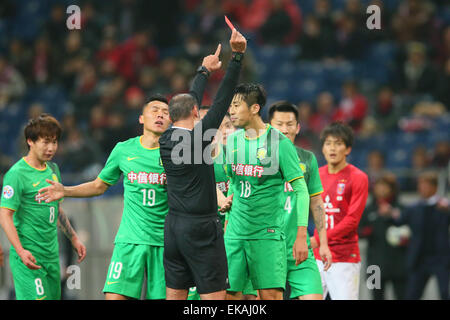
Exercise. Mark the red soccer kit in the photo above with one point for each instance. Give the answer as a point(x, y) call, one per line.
point(345, 195)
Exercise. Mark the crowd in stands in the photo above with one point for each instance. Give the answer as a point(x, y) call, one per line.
point(128, 50)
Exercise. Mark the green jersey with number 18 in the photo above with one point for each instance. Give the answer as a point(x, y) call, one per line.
point(308, 164)
point(258, 169)
point(35, 221)
point(145, 195)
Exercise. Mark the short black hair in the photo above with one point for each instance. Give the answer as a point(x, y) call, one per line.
point(181, 105)
point(158, 97)
point(338, 130)
point(283, 106)
point(252, 93)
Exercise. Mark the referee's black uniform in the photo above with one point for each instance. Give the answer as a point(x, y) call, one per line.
point(194, 251)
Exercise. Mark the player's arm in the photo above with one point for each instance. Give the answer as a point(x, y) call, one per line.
point(318, 213)
point(300, 248)
point(7, 223)
point(65, 226)
point(350, 222)
point(58, 191)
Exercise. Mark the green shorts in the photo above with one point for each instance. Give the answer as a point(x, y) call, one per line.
point(305, 278)
point(261, 261)
point(129, 264)
point(41, 284)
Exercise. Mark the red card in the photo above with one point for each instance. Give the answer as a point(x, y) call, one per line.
point(229, 23)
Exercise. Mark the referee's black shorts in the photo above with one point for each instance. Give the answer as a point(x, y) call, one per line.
point(194, 253)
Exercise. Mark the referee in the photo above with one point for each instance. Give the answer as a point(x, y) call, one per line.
point(194, 251)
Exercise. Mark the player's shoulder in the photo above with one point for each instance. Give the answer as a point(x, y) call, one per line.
point(304, 155)
point(356, 172)
point(17, 167)
point(236, 135)
point(277, 133)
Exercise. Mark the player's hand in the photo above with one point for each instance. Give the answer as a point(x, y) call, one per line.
point(28, 260)
point(227, 204)
point(300, 250)
point(237, 42)
point(325, 255)
point(79, 248)
point(2, 257)
point(212, 62)
point(51, 193)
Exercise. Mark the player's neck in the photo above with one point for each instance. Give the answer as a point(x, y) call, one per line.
point(255, 128)
point(184, 123)
point(33, 161)
point(335, 168)
point(150, 140)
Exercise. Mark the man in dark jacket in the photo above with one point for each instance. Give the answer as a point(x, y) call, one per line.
point(429, 248)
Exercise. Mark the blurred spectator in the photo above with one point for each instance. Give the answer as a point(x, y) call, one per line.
point(353, 106)
point(429, 248)
point(324, 112)
point(420, 161)
point(134, 100)
point(19, 57)
point(353, 10)
point(44, 62)
point(323, 13)
point(134, 54)
point(350, 42)
point(278, 24)
point(375, 167)
point(55, 26)
point(74, 58)
point(416, 75)
point(443, 47)
point(12, 85)
point(306, 138)
point(412, 21)
point(443, 86)
point(314, 43)
point(387, 109)
point(386, 243)
point(441, 154)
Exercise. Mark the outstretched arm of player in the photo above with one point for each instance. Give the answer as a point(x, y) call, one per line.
point(7, 223)
point(318, 212)
point(85, 190)
point(66, 227)
point(300, 248)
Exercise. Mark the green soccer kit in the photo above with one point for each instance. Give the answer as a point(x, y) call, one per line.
point(140, 239)
point(36, 224)
point(254, 239)
point(220, 174)
point(305, 278)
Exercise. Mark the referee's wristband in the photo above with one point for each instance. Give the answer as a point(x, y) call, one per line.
point(237, 56)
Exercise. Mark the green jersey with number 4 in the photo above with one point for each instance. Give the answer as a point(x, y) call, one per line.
point(35, 221)
point(145, 195)
point(308, 164)
point(258, 169)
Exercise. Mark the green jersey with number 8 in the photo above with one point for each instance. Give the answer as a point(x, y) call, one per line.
point(258, 169)
point(35, 221)
point(145, 195)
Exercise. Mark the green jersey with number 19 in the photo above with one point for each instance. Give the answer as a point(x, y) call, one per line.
point(145, 195)
point(308, 164)
point(35, 221)
point(258, 169)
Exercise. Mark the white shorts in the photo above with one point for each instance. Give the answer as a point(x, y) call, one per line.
point(341, 280)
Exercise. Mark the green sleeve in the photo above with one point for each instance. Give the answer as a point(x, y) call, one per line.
point(314, 183)
point(12, 191)
point(302, 203)
point(110, 174)
point(289, 162)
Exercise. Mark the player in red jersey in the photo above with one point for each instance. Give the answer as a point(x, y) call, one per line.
point(345, 195)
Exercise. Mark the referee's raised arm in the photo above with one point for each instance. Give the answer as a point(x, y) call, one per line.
point(224, 95)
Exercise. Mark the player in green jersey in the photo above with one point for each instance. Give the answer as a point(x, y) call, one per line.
point(259, 160)
point(31, 224)
point(304, 279)
point(140, 239)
